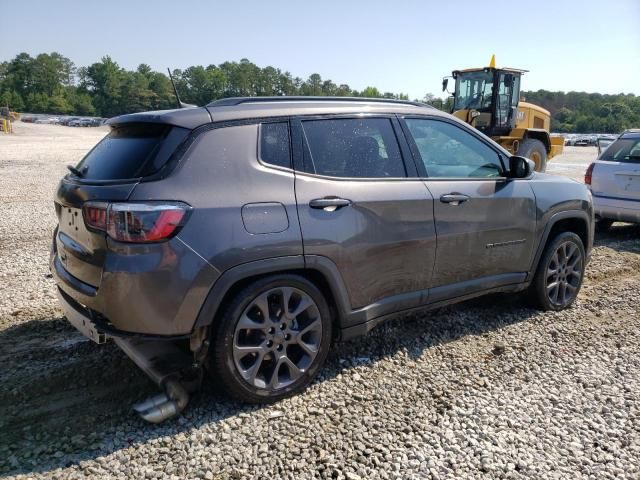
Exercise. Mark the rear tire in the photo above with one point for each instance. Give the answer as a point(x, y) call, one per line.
point(534, 150)
point(560, 272)
point(271, 340)
point(603, 224)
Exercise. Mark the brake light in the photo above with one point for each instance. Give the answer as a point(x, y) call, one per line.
point(136, 222)
point(588, 174)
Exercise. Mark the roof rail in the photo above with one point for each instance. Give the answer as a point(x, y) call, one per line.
point(228, 102)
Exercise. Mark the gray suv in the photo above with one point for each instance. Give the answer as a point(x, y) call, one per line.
point(243, 237)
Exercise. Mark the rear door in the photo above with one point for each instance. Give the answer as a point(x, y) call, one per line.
point(617, 171)
point(485, 223)
point(362, 208)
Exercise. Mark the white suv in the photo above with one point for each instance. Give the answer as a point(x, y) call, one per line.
point(614, 180)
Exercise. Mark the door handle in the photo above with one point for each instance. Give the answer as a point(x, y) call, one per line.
point(329, 204)
point(454, 198)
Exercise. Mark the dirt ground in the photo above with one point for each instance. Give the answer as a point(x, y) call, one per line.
point(65, 402)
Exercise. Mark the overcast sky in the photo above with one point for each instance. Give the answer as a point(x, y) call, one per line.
point(398, 46)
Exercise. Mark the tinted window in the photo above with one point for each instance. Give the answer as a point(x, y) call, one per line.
point(131, 151)
point(274, 144)
point(449, 151)
point(356, 148)
point(623, 150)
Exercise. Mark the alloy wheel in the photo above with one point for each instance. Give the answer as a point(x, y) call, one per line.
point(277, 338)
point(564, 274)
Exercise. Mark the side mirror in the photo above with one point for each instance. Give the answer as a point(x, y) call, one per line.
point(445, 82)
point(520, 167)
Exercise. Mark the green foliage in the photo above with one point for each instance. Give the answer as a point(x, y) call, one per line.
point(580, 112)
point(51, 83)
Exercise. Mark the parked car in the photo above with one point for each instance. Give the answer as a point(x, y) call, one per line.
point(256, 239)
point(67, 120)
point(78, 122)
point(614, 179)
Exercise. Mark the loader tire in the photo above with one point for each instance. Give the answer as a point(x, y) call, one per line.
point(534, 150)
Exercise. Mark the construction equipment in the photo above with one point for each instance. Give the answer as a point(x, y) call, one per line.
point(489, 99)
point(7, 118)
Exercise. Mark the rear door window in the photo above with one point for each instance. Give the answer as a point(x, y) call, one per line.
point(352, 148)
point(131, 151)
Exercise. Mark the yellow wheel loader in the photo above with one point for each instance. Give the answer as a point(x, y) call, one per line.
point(489, 99)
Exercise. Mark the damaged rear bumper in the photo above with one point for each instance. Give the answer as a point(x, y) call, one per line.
point(169, 366)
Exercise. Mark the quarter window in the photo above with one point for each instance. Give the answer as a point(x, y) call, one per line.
point(274, 144)
point(448, 151)
point(353, 148)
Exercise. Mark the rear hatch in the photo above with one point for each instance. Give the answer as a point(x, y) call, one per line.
point(617, 170)
point(130, 153)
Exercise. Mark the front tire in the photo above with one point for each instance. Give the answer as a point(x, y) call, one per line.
point(534, 150)
point(271, 340)
point(558, 279)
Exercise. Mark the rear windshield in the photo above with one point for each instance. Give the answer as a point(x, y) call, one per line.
point(623, 150)
point(131, 151)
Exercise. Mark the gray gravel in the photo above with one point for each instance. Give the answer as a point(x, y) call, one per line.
point(487, 389)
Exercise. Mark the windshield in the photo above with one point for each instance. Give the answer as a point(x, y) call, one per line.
point(473, 90)
point(623, 150)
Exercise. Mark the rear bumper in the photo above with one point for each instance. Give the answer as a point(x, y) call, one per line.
point(80, 319)
point(617, 209)
point(97, 328)
point(161, 360)
point(151, 290)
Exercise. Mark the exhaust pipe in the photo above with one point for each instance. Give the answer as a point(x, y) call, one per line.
point(164, 363)
point(165, 405)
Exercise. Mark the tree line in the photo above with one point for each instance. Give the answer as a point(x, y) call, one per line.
point(51, 83)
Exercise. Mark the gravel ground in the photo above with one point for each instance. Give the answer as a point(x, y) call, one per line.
point(486, 389)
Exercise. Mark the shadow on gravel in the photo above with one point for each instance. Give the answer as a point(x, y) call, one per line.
point(65, 399)
point(622, 237)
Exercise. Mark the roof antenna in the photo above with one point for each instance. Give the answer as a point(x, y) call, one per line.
point(175, 90)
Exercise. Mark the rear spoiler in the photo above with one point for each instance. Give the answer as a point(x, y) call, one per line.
point(184, 117)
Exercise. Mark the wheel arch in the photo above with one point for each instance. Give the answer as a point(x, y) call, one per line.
point(319, 270)
point(576, 221)
point(541, 135)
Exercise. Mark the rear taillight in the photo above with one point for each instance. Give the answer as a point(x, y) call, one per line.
point(95, 215)
point(588, 174)
point(136, 222)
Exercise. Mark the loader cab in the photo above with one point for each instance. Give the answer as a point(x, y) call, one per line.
point(487, 98)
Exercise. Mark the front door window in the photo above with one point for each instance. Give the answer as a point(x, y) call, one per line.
point(447, 151)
